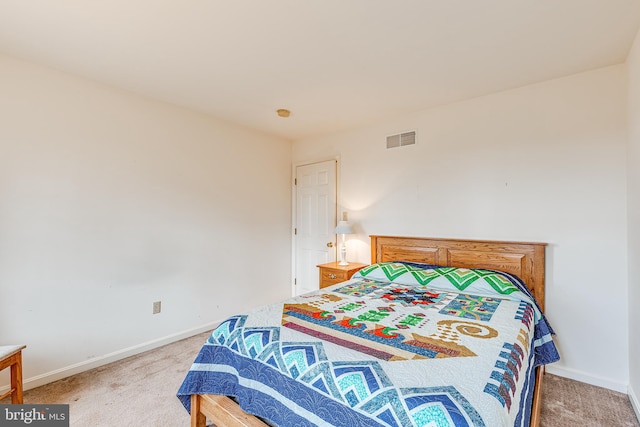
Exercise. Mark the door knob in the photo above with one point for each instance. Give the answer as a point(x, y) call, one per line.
point(330, 244)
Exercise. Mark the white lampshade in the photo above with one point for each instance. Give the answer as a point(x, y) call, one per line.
point(343, 228)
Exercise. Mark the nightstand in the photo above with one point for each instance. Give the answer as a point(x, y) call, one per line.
point(332, 273)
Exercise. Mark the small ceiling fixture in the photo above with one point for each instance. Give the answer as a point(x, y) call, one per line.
point(283, 112)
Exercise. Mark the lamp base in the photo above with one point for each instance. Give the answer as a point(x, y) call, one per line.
point(343, 255)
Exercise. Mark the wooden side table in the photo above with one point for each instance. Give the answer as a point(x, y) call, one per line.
point(11, 356)
point(332, 273)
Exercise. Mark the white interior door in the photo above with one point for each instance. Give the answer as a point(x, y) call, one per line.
point(315, 222)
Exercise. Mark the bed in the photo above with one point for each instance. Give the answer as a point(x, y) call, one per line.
point(434, 332)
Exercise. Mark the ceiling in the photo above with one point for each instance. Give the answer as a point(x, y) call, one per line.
point(336, 64)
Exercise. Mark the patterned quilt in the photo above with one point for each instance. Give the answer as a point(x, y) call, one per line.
point(397, 345)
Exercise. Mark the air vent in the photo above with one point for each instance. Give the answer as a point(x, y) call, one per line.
point(401, 139)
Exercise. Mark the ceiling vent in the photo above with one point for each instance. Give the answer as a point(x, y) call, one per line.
point(401, 139)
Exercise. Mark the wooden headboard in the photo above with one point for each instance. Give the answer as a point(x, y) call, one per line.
point(525, 260)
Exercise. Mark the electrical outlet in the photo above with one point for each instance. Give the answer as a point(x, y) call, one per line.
point(157, 307)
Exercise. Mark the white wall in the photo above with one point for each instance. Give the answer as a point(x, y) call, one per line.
point(110, 201)
point(633, 167)
point(545, 162)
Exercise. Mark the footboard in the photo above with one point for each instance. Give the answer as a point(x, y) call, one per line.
point(221, 410)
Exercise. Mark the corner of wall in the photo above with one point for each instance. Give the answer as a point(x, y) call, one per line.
point(635, 403)
point(633, 216)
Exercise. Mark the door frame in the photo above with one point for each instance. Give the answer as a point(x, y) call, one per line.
point(294, 204)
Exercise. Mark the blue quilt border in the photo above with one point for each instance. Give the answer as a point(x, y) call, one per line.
point(255, 402)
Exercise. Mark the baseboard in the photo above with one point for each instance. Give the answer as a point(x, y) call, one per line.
point(587, 378)
point(635, 403)
point(96, 362)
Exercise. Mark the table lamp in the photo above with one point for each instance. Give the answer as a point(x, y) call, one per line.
point(343, 228)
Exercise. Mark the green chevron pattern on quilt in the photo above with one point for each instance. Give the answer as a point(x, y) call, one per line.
point(460, 278)
point(393, 271)
point(368, 269)
point(500, 283)
point(425, 276)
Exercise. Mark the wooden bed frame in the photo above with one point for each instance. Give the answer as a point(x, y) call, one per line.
point(525, 260)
